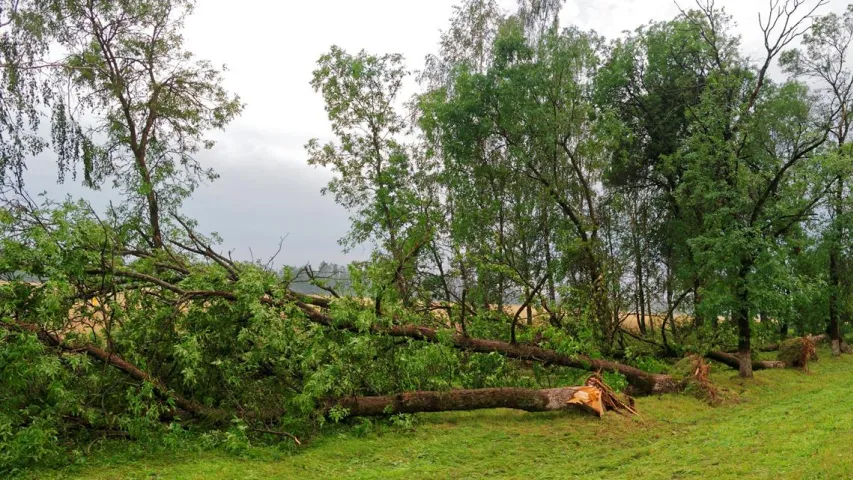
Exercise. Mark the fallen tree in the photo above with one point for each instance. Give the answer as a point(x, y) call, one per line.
point(734, 361)
point(595, 397)
point(214, 416)
point(53, 340)
point(641, 382)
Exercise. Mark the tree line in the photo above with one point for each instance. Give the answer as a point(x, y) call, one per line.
point(660, 172)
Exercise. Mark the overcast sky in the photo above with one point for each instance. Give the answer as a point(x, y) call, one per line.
point(266, 189)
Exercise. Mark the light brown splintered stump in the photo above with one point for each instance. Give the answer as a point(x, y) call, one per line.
point(530, 400)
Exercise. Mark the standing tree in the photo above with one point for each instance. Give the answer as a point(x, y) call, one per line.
point(378, 178)
point(750, 164)
point(529, 118)
point(824, 60)
point(650, 87)
point(149, 100)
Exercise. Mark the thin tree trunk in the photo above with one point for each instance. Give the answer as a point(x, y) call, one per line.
point(636, 234)
point(154, 214)
point(833, 329)
point(641, 319)
point(651, 315)
point(742, 320)
point(698, 318)
point(552, 291)
point(462, 311)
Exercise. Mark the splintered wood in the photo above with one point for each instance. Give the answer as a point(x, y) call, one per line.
point(604, 398)
point(590, 397)
point(701, 375)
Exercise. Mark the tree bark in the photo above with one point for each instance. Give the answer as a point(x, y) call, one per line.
point(552, 291)
point(699, 318)
point(530, 400)
point(742, 320)
point(638, 260)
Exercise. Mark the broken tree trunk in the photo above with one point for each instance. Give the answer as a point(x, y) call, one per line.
point(530, 400)
point(595, 397)
point(734, 361)
point(641, 383)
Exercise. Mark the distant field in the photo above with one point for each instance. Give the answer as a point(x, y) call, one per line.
point(787, 425)
point(630, 321)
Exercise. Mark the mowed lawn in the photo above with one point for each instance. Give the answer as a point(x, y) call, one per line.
point(787, 424)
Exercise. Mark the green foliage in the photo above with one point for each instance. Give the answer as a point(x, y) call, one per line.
point(540, 170)
point(378, 178)
point(677, 435)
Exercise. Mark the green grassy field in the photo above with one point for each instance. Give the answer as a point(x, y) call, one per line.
point(786, 424)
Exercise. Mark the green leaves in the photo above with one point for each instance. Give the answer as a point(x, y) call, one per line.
point(384, 183)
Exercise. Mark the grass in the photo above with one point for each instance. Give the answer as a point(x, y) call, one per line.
point(786, 424)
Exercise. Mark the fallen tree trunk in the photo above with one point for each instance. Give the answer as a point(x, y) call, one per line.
point(530, 400)
point(595, 396)
point(734, 361)
point(642, 383)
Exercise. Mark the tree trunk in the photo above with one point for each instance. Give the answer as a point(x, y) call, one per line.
point(641, 319)
point(735, 361)
point(154, 217)
point(699, 319)
point(651, 315)
point(834, 277)
point(552, 291)
point(462, 311)
point(638, 262)
point(530, 400)
point(743, 322)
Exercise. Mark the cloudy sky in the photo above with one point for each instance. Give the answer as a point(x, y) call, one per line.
point(266, 189)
